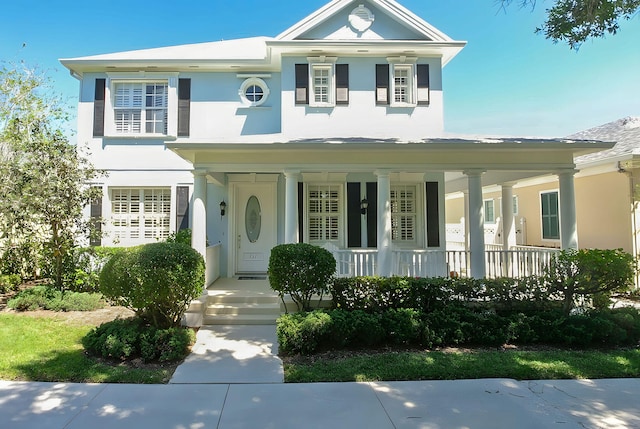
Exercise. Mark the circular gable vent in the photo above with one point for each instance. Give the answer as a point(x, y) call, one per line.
point(361, 18)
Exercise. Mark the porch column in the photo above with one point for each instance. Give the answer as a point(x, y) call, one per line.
point(466, 219)
point(568, 223)
point(476, 224)
point(199, 213)
point(385, 254)
point(508, 237)
point(291, 207)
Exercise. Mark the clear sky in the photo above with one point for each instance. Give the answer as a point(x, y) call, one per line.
point(507, 81)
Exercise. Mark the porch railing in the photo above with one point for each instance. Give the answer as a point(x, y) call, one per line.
point(355, 262)
point(520, 261)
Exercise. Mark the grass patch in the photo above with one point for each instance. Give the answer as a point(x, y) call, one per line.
point(46, 349)
point(437, 365)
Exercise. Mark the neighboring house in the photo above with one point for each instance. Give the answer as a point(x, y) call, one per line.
point(330, 133)
point(606, 194)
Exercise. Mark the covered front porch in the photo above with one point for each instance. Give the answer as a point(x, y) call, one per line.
point(378, 206)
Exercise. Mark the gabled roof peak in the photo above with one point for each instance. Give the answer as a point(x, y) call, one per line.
point(391, 7)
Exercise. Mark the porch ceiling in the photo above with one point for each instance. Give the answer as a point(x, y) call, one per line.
point(522, 158)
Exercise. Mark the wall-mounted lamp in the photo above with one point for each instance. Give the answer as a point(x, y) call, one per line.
point(364, 204)
point(223, 207)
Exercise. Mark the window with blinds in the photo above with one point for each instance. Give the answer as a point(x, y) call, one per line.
point(403, 213)
point(140, 215)
point(324, 212)
point(140, 108)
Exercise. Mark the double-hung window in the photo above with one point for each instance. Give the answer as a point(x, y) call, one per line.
point(324, 211)
point(140, 215)
point(404, 214)
point(550, 215)
point(322, 82)
point(402, 83)
point(322, 85)
point(140, 107)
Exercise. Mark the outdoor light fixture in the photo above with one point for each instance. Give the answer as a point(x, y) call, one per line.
point(363, 206)
point(223, 207)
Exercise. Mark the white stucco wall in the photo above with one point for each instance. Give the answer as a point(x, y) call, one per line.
point(361, 117)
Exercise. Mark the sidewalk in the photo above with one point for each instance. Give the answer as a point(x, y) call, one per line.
point(474, 404)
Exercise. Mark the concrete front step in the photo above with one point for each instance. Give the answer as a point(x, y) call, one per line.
point(244, 319)
point(243, 308)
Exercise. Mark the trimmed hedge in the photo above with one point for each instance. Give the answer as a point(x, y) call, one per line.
point(429, 294)
point(126, 339)
point(310, 332)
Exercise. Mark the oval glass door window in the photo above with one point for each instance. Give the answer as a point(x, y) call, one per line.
point(252, 219)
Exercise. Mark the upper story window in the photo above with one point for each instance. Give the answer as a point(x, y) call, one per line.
point(254, 92)
point(402, 83)
point(322, 83)
point(142, 105)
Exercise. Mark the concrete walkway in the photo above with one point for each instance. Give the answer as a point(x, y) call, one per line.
point(474, 404)
point(232, 354)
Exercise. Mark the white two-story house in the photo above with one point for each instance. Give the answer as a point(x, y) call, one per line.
point(330, 133)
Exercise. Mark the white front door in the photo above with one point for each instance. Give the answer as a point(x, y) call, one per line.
point(255, 226)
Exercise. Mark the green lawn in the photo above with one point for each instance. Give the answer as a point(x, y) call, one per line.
point(520, 365)
point(46, 349)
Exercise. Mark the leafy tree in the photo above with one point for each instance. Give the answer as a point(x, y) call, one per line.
point(43, 178)
point(575, 21)
point(588, 273)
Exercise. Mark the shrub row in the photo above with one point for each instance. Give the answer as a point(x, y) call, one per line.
point(126, 339)
point(377, 294)
point(48, 298)
point(309, 332)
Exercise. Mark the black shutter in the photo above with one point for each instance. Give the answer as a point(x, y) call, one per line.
point(372, 214)
point(98, 108)
point(423, 84)
point(184, 106)
point(354, 216)
point(182, 207)
point(433, 215)
point(300, 212)
point(302, 83)
point(96, 221)
point(342, 83)
point(382, 84)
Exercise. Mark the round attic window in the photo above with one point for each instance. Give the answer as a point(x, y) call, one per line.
point(361, 18)
point(254, 91)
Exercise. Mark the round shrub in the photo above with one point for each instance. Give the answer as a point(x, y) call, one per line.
point(301, 271)
point(157, 281)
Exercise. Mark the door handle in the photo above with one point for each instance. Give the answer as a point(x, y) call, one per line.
point(239, 241)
